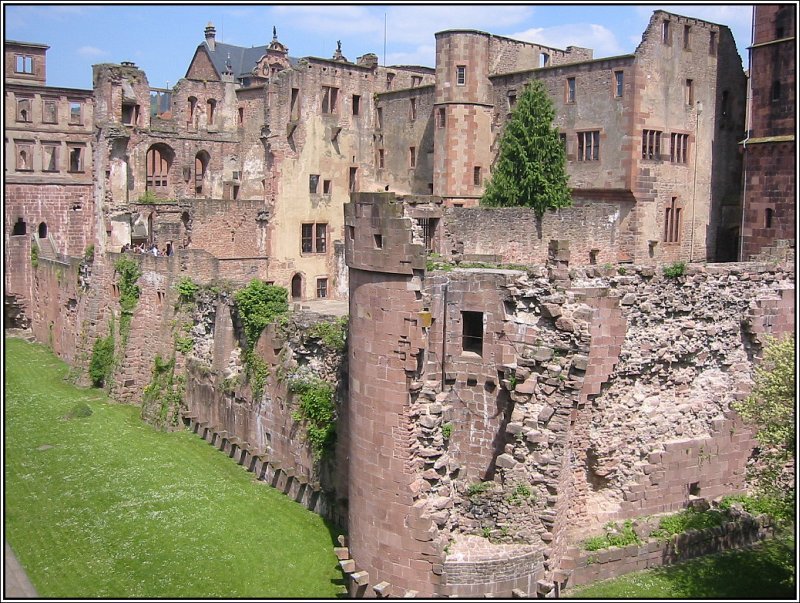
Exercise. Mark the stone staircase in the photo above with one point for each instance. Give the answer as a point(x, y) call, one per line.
point(46, 248)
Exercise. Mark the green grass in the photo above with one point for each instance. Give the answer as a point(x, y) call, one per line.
point(766, 571)
point(104, 506)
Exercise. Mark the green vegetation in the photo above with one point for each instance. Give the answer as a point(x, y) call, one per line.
point(774, 506)
point(530, 170)
point(101, 365)
point(478, 488)
point(35, 256)
point(770, 410)
point(317, 410)
point(129, 272)
point(520, 493)
point(165, 391)
point(187, 289)
point(766, 572)
point(674, 270)
point(333, 334)
point(614, 536)
point(107, 507)
point(447, 430)
point(688, 519)
point(150, 198)
point(88, 254)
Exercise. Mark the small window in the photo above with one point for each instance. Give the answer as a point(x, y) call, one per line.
point(49, 158)
point(49, 112)
point(512, 100)
point(24, 157)
point(441, 117)
point(589, 146)
point(240, 118)
point(712, 43)
point(672, 222)
point(389, 80)
point(130, 114)
point(690, 92)
point(313, 183)
point(351, 232)
point(381, 158)
point(378, 238)
point(321, 238)
point(20, 228)
point(75, 113)
point(379, 117)
point(570, 89)
point(24, 114)
point(678, 148)
point(314, 238)
point(356, 104)
point(619, 80)
point(76, 159)
point(544, 60)
point(329, 98)
point(686, 37)
point(768, 215)
point(651, 144)
point(477, 180)
point(666, 33)
point(412, 109)
point(416, 80)
point(307, 238)
point(472, 332)
point(24, 64)
point(294, 106)
point(326, 187)
point(322, 288)
point(461, 75)
point(776, 91)
point(192, 111)
point(412, 157)
point(352, 180)
point(212, 106)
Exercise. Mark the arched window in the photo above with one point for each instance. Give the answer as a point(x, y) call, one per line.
point(43, 230)
point(297, 286)
point(20, 228)
point(158, 160)
point(212, 105)
point(201, 161)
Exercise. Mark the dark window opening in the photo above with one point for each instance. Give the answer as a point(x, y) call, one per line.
point(476, 175)
point(768, 215)
point(240, 123)
point(294, 111)
point(461, 75)
point(776, 91)
point(472, 333)
point(43, 230)
point(442, 117)
point(212, 105)
point(24, 110)
point(130, 114)
point(75, 113)
point(76, 159)
point(378, 238)
point(712, 43)
point(428, 226)
point(356, 104)
point(313, 183)
point(651, 144)
point(326, 187)
point(412, 109)
point(20, 228)
point(686, 31)
point(49, 158)
point(694, 489)
point(157, 168)
point(619, 80)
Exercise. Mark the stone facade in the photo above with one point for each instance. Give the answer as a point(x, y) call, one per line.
point(770, 170)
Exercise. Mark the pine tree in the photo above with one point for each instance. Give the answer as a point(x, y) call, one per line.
point(530, 168)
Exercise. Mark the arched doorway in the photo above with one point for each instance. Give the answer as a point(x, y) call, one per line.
point(43, 230)
point(297, 286)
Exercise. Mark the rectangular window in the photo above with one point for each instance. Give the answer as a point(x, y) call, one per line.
point(240, 118)
point(326, 187)
point(75, 159)
point(672, 222)
point(378, 239)
point(651, 144)
point(329, 98)
point(570, 89)
point(75, 113)
point(322, 288)
point(130, 114)
point(389, 80)
point(24, 64)
point(689, 92)
point(416, 80)
point(24, 156)
point(49, 111)
point(461, 75)
point(476, 176)
point(472, 332)
point(666, 34)
point(313, 183)
point(412, 157)
point(352, 180)
point(512, 100)
point(589, 146)
point(294, 107)
point(712, 43)
point(678, 148)
point(544, 59)
point(356, 104)
point(379, 117)
point(307, 238)
point(686, 30)
point(619, 80)
point(381, 158)
point(24, 113)
point(50, 157)
point(441, 117)
point(428, 226)
point(320, 238)
point(412, 109)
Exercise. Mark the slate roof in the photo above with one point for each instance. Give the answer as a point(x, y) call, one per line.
point(242, 59)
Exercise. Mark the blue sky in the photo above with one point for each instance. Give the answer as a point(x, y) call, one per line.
point(161, 39)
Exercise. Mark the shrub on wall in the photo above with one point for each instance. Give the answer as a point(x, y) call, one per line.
point(317, 410)
point(101, 364)
point(129, 273)
point(333, 334)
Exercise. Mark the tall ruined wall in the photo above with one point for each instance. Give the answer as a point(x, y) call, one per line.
point(598, 233)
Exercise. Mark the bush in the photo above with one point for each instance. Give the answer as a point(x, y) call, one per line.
point(333, 334)
point(186, 289)
point(80, 411)
point(102, 362)
point(34, 256)
point(674, 270)
point(318, 410)
point(258, 304)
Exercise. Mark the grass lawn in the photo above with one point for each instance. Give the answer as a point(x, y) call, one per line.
point(106, 507)
point(762, 572)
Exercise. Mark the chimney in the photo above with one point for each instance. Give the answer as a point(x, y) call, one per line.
point(210, 33)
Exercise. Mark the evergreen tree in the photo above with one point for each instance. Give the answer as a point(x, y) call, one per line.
point(530, 168)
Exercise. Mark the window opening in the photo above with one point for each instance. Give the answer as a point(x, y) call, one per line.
point(352, 182)
point(476, 175)
point(356, 104)
point(326, 187)
point(619, 79)
point(322, 288)
point(212, 105)
point(313, 183)
point(381, 158)
point(20, 228)
point(329, 97)
point(42, 230)
point(589, 146)
point(442, 115)
point(686, 30)
point(461, 75)
point(130, 114)
point(712, 43)
point(49, 112)
point(412, 157)
point(378, 238)
point(651, 144)
point(50, 158)
point(776, 91)
point(544, 59)
point(314, 237)
point(294, 111)
point(24, 110)
point(75, 113)
point(412, 109)
point(24, 64)
point(768, 214)
point(678, 148)
point(570, 89)
point(666, 37)
point(672, 222)
point(472, 332)
point(689, 92)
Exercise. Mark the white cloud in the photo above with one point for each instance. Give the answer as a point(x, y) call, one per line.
point(586, 35)
point(92, 52)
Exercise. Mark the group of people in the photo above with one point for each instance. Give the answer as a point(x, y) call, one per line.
point(152, 250)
